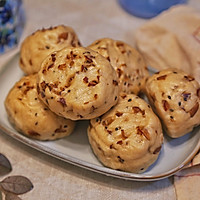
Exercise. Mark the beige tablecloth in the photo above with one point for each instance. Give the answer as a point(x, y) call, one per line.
point(54, 179)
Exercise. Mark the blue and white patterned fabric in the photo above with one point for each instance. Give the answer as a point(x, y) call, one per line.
point(12, 20)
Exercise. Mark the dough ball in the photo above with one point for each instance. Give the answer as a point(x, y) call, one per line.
point(78, 83)
point(127, 62)
point(32, 117)
point(36, 47)
point(175, 97)
point(128, 137)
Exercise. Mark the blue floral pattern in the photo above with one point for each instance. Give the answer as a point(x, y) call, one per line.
point(12, 20)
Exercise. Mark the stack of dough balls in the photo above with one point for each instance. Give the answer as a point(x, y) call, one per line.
point(25, 110)
point(65, 82)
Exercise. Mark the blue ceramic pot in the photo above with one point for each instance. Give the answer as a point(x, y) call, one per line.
point(12, 20)
point(148, 8)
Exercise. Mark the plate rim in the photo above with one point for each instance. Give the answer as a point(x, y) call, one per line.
point(86, 165)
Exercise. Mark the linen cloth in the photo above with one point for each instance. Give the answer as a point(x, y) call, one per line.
point(172, 39)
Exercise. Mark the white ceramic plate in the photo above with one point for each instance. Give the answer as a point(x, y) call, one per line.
point(75, 149)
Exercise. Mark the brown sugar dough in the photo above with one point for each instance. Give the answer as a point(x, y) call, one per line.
point(127, 62)
point(36, 47)
point(78, 83)
point(32, 117)
point(175, 96)
point(128, 137)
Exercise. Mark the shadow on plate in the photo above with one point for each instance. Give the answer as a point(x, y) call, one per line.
point(181, 140)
